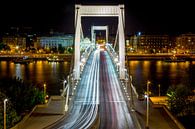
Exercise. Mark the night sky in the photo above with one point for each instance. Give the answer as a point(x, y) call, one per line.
point(155, 16)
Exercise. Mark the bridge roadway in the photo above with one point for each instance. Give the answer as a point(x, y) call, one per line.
point(85, 105)
point(99, 87)
point(114, 112)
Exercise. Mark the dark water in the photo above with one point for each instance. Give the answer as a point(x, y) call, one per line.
point(38, 72)
point(163, 73)
point(158, 72)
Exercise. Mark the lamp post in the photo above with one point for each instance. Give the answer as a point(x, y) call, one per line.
point(64, 84)
point(117, 66)
point(44, 88)
point(159, 90)
point(147, 110)
point(5, 100)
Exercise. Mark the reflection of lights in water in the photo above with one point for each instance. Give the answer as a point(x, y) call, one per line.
point(54, 65)
point(159, 66)
point(173, 67)
point(18, 71)
point(31, 66)
point(179, 66)
point(3, 65)
point(66, 63)
point(146, 67)
point(146, 63)
point(39, 70)
point(133, 63)
point(184, 64)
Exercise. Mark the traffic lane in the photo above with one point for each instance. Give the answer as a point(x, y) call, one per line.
point(113, 109)
point(78, 115)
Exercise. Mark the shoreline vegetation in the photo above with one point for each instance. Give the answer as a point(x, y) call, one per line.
point(22, 97)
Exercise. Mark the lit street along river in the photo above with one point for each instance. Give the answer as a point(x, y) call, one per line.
point(158, 72)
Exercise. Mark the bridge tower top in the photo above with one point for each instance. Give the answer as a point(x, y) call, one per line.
point(100, 11)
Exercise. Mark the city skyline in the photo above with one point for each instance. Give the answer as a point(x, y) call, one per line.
point(150, 16)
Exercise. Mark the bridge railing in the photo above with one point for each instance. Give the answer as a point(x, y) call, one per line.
point(114, 56)
point(85, 56)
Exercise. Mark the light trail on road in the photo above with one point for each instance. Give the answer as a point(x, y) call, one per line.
point(85, 105)
point(100, 88)
point(114, 113)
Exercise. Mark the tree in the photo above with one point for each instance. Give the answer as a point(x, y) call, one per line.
point(178, 99)
point(23, 96)
point(12, 116)
point(4, 46)
point(70, 49)
point(61, 48)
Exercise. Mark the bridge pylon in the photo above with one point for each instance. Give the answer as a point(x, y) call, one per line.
point(99, 11)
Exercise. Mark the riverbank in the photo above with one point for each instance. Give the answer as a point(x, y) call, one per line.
point(8, 57)
point(68, 57)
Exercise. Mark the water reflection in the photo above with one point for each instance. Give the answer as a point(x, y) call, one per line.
point(18, 71)
point(158, 72)
point(37, 72)
point(163, 73)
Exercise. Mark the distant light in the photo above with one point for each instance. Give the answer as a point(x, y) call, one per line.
point(139, 33)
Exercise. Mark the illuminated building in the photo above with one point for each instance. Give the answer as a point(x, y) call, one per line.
point(185, 43)
point(15, 42)
point(55, 41)
point(150, 43)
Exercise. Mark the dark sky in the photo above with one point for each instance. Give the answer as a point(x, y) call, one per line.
point(167, 16)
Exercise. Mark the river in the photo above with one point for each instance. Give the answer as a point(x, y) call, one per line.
point(162, 73)
point(157, 72)
point(38, 72)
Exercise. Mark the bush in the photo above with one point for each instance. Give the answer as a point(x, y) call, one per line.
point(23, 96)
point(178, 101)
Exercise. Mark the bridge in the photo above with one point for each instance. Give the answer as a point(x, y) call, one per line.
point(96, 90)
point(99, 92)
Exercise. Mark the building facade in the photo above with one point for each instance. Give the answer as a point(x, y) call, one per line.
point(54, 41)
point(150, 43)
point(185, 43)
point(15, 43)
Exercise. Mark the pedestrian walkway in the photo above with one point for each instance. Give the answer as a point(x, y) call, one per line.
point(158, 118)
point(46, 115)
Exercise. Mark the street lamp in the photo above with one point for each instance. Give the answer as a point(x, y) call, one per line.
point(45, 95)
point(159, 90)
point(64, 84)
point(147, 110)
point(118, 65)
point(5, 100)
point(44, 87)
